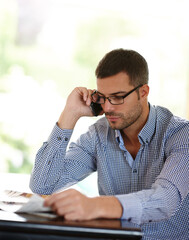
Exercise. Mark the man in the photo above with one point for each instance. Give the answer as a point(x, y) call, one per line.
point(140, 152)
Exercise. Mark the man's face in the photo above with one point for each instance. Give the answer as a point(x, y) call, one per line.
point(124, 115)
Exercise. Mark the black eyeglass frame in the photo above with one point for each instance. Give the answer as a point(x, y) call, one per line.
point(123, 97)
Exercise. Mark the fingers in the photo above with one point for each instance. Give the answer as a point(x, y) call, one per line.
point(58, 200)
point(73, 205)
point(77, 105)
point(86, 94)
point(69, 204)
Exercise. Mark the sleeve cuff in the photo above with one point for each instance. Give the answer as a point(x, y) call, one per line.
point(132, 207)
point(59, 137)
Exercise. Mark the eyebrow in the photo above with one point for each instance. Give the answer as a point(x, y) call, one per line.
point(112, 94)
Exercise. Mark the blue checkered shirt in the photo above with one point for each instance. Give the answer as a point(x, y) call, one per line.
point(174, 228)
point(149, 187)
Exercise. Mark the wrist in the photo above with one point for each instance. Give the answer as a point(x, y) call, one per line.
point(108, 207)
point(67, 120)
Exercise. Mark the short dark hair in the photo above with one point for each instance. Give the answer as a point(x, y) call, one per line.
point(123, 60)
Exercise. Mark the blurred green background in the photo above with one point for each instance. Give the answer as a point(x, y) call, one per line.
point(48, 47)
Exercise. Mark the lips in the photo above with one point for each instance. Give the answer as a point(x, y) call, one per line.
point(112, 118)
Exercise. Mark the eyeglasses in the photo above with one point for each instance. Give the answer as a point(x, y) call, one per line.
point(114, 100)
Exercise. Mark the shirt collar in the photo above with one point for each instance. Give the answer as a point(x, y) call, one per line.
point(149, 128)
point(147, 131)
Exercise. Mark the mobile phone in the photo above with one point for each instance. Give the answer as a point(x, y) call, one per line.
point(95, 108)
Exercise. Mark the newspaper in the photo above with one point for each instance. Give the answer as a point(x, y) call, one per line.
point(18, 202)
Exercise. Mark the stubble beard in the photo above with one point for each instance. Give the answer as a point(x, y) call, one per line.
point(125, 121)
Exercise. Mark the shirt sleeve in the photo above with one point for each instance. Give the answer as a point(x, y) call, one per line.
point(56, 167)
point(45, 161)
point(175, 227)
point(153, 204)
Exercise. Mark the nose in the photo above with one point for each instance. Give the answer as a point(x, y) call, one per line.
point(107, 106)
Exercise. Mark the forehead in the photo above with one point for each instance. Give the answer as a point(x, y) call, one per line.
point(115, 83)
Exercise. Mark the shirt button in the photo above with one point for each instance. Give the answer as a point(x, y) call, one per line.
point(66, 139)
point(59, 138)
point(134, 170)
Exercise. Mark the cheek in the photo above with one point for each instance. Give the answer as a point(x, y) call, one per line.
point(132, 101)
point(128, 107)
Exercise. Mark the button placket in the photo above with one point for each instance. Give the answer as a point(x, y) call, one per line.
point(134, 173)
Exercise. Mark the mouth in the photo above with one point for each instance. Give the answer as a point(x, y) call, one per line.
point(112, 118)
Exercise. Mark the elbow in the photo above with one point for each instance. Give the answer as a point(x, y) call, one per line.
point(38, 187)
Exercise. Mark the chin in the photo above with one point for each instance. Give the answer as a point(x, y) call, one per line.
point(114, 126)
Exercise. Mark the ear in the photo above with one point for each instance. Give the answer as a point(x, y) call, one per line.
point(144, 91)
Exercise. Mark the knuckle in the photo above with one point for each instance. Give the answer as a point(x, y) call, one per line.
point(60, 212)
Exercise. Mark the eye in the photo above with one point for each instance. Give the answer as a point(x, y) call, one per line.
point(116, 97)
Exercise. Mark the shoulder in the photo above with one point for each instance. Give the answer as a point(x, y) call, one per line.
point(166, 117)
point(101, 130)
point(100, 123)
point(97, 133)
point(163, 114)
point(175, 128)
point(101, 126)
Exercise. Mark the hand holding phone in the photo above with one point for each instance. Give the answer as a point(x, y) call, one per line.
point(95, 108)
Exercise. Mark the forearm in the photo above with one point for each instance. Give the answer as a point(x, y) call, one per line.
point(50, 159)
point(154, 204)
point(45, 171)
point(67, 119)
point(56, 168)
